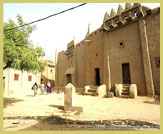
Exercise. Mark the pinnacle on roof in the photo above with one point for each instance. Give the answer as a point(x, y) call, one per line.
point(128, 6)
point(106, 16)
point(120, 9)
point(112, 13)
point(89, 28)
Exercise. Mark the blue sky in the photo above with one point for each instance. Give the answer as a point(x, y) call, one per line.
point(57, 31)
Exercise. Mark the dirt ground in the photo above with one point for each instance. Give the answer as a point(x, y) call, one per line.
point(46, 112)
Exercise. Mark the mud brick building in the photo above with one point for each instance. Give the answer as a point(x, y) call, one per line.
point(125, 49)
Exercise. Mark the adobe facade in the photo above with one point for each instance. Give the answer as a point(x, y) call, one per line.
point(125, 49)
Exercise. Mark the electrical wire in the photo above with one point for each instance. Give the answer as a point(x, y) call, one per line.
point(46, 17)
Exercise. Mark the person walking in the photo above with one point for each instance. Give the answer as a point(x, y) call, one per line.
point(35, 87)
point(42, 87)
point(48, 87)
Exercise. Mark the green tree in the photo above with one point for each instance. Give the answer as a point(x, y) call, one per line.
point(18, 50)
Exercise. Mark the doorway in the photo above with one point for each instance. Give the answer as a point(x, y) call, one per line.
point(126, 73)
point(97, 76)
point(69, 79)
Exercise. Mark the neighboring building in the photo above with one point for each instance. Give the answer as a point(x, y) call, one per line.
point(19, 80)
point(125, 49)
point(22, 80)
point(49, 72)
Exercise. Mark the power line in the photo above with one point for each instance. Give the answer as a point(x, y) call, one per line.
point(46, 17)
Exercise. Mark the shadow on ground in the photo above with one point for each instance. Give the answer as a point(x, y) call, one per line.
point(155, 101)
point(10, 101)
point(36, 95)
point(57, 106)
point(152, 102)
point(30, 95)
point(58, 123)
point(78, 110)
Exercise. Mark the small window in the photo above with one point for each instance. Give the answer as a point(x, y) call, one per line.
point(16, 76)
point(29, 78)
point(126, 17)
point(135, 13)
point(109, 24)
point(157, 60)
point(96, 56)
point(116, 21)
point(51, 70)
point(121, 43)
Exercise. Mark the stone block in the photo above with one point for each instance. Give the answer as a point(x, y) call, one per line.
point(110, 94)
point(101, 91)
point(133, 91)
point(118, 90)
point(69, 97)
point(86, 88)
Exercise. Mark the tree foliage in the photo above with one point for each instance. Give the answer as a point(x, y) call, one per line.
point(18, 50)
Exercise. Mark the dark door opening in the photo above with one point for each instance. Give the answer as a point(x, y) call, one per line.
point(126, 73)
point(69, 79)
point(97, 76)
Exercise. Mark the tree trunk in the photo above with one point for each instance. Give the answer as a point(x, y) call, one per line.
point(7, 65)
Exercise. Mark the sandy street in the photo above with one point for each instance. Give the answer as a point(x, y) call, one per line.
point(45, 112)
